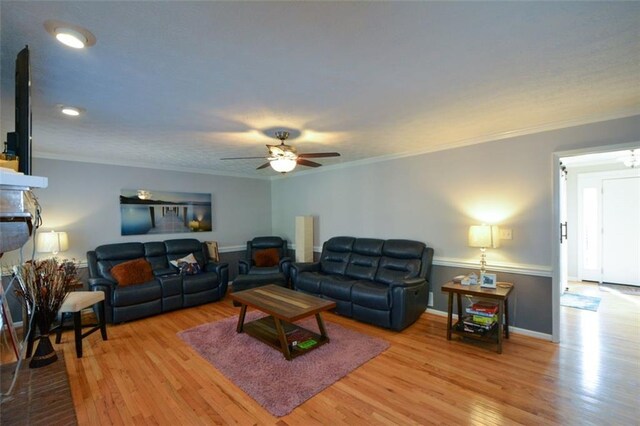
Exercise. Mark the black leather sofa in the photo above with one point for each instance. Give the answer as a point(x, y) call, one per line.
point(381, 282)
point(168, 290)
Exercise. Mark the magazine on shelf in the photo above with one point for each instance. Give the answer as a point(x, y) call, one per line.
point(484, 320)
point(486, 307)
point(472, 311)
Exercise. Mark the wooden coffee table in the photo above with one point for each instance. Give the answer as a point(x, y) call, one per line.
point(284, 307)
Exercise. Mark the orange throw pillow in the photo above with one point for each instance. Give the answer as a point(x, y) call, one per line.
point(135, 271)
point(266, 257)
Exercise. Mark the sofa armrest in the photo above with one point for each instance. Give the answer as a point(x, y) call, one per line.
point(108, 287)
point(298, 268)
point(244, 266)
point(165, 271)
point(285, 266)
point(408, 300)
point(220, 268)
point(411, 282)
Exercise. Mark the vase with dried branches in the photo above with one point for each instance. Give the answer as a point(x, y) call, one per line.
point(43, 285)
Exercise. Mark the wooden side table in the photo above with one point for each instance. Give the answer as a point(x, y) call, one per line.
point(500, 294)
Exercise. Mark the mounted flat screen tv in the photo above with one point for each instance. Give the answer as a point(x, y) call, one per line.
point(19, 141)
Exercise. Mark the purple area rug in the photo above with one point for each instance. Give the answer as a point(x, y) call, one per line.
point(263, 372)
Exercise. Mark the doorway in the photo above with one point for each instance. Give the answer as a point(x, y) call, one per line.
point(607, 244)
point(603, 245)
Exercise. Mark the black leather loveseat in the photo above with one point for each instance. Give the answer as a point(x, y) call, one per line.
point(382, 282)
point(168, 290)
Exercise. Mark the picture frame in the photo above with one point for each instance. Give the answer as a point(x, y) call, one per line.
point(488, 280)
point(164, 212)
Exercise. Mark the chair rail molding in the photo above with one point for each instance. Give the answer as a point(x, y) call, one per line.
point(511, 268)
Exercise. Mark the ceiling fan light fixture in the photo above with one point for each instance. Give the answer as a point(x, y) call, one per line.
point(283, 164)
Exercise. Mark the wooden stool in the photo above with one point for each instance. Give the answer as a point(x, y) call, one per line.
point(74, 303)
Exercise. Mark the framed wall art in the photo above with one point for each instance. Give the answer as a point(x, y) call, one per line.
point(164, 212)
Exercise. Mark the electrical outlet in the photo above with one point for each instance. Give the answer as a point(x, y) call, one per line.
point(506, 234)
point(430, 303)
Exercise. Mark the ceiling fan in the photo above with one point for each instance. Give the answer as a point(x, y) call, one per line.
point(283, 158)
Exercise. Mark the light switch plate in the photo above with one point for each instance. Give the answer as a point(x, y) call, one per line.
point(506, 234)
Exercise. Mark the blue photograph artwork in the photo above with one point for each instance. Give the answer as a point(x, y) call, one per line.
point(161, 212)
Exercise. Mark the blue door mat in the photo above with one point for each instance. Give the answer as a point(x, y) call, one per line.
point(579, 301)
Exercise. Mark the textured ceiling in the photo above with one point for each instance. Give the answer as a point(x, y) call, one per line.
point(181, 84)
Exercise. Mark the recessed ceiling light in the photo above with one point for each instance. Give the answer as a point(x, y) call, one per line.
point(69, 34)
point(71, 38)
point(72, 111)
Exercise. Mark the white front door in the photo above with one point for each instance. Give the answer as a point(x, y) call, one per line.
point(589, 227)
point(621, 230)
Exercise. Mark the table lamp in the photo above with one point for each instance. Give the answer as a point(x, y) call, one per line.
point(483, 236)
point(52, 242)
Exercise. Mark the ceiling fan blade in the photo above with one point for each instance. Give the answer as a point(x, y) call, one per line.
point(319, 154)
point(264, 166)
point(242, 158)
point(307, 163)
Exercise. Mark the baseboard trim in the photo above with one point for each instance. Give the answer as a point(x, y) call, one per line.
point(515, 330)
point(231, 249)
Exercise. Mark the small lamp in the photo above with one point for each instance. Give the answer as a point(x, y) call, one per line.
point(484, 236)
point(52, 242)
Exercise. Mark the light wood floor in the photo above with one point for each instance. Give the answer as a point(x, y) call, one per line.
point(145, 374)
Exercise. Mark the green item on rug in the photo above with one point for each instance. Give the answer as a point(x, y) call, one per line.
point(307, 344)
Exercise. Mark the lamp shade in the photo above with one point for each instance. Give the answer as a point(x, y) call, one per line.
point(480, 236)
point(52, 242)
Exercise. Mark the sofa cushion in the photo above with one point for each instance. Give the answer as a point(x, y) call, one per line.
point(336, 287)
point(371, 295)
point(265, 258)
point(131, 272)
point(201, 282)
point(392, 270)
point(368, 246)
point(109, 255)
point(265, 271)
point(137, 294)
point(182, 247)
point(362, 267)
point(403, 249)
point(156, 255)
point(336, 253)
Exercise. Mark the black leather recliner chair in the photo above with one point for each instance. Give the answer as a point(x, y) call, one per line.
point(251, 276)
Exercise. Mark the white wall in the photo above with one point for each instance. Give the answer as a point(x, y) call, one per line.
point(435, 197)
point(83, 200)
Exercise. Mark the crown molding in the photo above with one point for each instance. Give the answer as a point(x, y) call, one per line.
point(80, 159)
